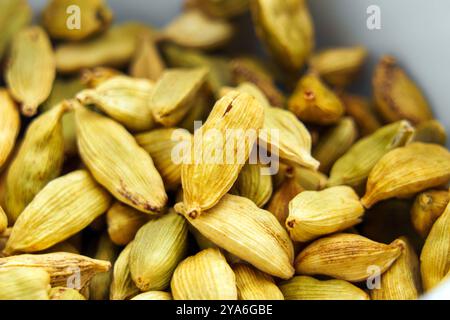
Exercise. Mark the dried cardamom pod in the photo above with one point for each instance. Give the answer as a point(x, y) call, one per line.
point(253, 284)
point(219, 74)
point(3, 221)
point(307, 178)
point(435, 256)
point(308, 288)
point(316, 213)
point(38, 161)
point(406, 171)
point(354, 166)
point(24, 284)
point(94, 17)
point(100, 283)
point(253, 185)
point(125, 99)
point(402, 280)
point(431, 131)
point(258, 238)
point(153, 295)
point(93, 77)
point(224, 8)
point(427, 208)
point(62, 293)
point(62, 208)
point(397, 97)
point(194, 29)
point(347, 257)
point(160, 143)
point(65, 269)
point(117, 162)
point(9, 125)
point(339, 66)
point(30, 69)
point(157, 249)
point(147, 63)
point(122, 286)
point(361, 110)
point(205, 276)
point(335, 143)
point(286, 28)
point(123, 223)
point(246, 69)
point(212, 167)
point(114, 48)
point(312, 101)
point(174, 94)
point(279, 203)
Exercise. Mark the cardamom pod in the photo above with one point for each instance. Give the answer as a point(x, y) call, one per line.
point(253, 284)
point(93, 77)
point(9, 125)
point(316, 213)
point(312, 101)
point(213, 167)
point(39, 160)
point(224, 8)
point(153, 295)
point(122, 286)
point(346, 257)
point(174, 93)
point(257, 238)
point(147, 62)
point(249, 88)
point(30, 70)
point(286, 28)
point(307, 178)
point(435, 256)
point(100, 283)
point(65, 269)
point(94, 17)
point(14, 15)
point(339, 66)
point(62, 208)
point(117, 162)
point(204, 276)
point(62, 293)
point(406, 171)
point(24, 284)
point(397, 97)
point(123, 223)
point(253, 185)
point(194, 29)
point(114, 48)
point(431, 131)
point(354, 166)
point(308, 288)
point(157, 249)
point(427, 208)
point(402, 280)
point(160, 144)
point(279, 203)
point(335, 143)
point(124, 99)
point(362, 112)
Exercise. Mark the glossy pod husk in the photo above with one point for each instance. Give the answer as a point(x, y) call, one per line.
point(118, 163)
point(346, 256)
point(156, 251)
point(308, 288)
point(204, 181)
point(205, 276)
point(62, 208)
point(427, 208)
point(65, 269)
point(122, 285)
point(252, 234)
point(406, 171)
point(9, 125)
point(24, 284)
point(38, 161)
point(30, 70)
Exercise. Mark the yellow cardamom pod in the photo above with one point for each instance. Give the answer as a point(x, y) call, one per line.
point(24, 284)
point(153, 295)
point(427, 208)
point(122, 285)
point(117, 162)
point(205, 276)
point(279, 203)
point(147, 62)
point(9, 125)
point(93, 77)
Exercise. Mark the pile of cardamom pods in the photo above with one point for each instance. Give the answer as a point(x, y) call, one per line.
point(95, 206)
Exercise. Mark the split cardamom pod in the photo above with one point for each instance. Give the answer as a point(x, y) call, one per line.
point(427, 208)
point(24, 284)
point(9, 125)
point(117, 162)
